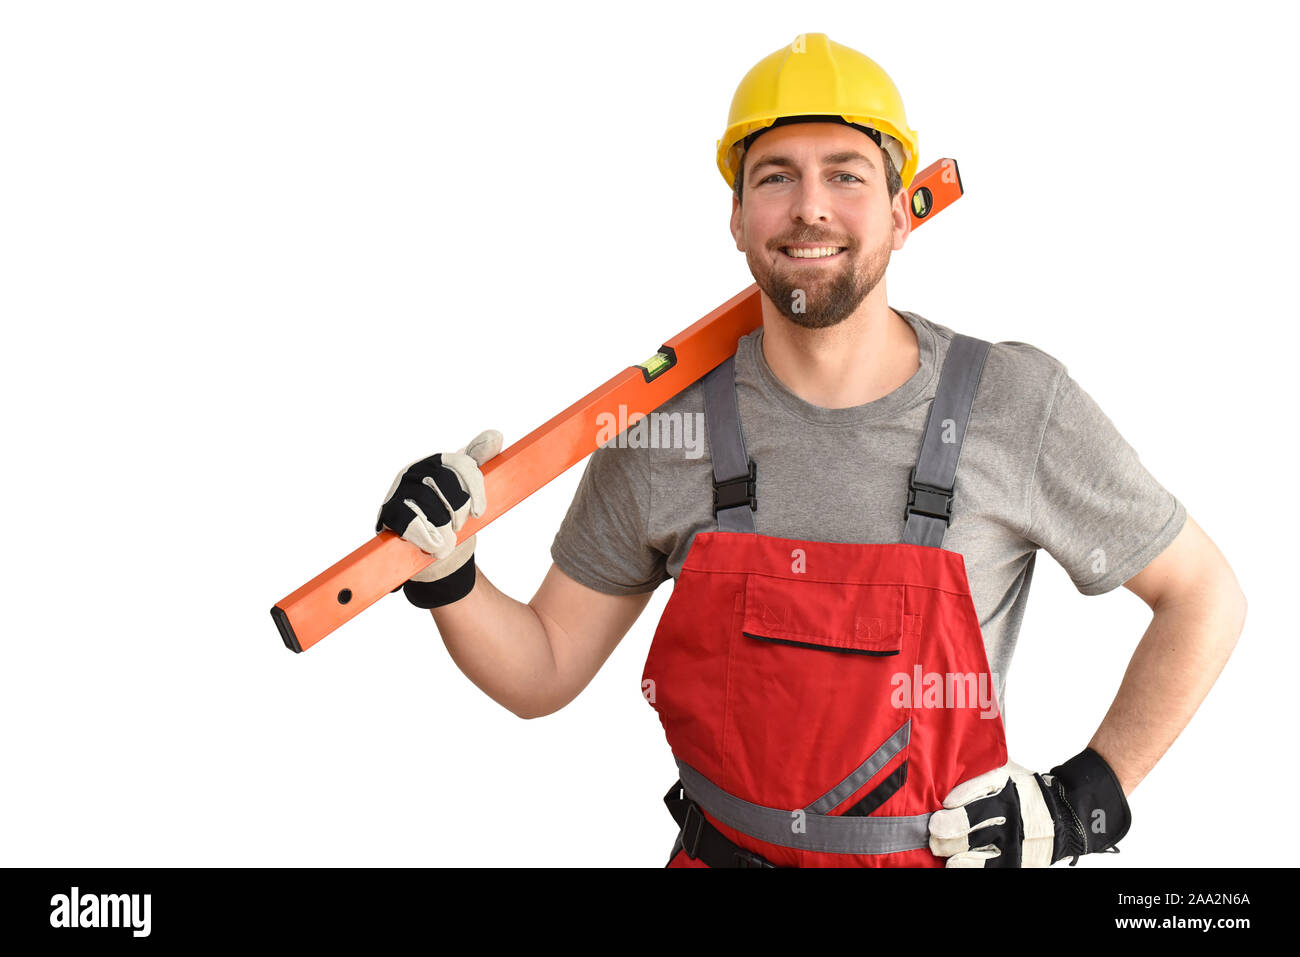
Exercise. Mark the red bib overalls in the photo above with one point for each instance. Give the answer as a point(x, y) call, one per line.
point(822, 698)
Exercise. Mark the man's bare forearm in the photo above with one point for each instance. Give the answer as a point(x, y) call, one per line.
point(1178, 660)
point(502, 646)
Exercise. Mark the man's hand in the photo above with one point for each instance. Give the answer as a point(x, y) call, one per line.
point(1011, 817)
point(427, 504)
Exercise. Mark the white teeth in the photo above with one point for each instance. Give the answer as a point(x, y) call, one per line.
point(815, 253)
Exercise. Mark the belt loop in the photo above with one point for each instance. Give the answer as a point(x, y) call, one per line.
point(692, 828)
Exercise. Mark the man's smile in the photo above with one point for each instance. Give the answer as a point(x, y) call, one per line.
point(806, 252)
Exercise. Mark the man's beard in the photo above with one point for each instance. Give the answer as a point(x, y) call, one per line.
point(818, 301)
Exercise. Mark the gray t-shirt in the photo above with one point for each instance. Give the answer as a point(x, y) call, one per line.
point(1042, 467)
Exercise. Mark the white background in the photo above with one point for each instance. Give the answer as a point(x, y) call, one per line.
point(255, 257)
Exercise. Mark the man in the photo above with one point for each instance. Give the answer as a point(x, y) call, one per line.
point(829, 667)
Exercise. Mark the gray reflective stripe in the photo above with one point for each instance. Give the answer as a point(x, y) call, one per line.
point(937, 463)
point(726, 442)
point(820, 832)
point(865, 772)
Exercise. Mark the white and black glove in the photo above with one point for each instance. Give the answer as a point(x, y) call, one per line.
point(1011, 817)
point(428, 503)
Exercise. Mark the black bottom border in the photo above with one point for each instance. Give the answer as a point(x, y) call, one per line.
point(211, 905)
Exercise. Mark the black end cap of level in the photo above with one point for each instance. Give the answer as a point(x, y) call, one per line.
point(286, 629)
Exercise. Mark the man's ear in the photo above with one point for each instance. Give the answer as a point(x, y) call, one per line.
point(736, 232)
point(900, 210)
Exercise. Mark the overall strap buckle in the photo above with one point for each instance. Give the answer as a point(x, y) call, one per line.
point(928, 500)
point(701, 840)
point(746, 858)
point(741, 490)
point(692, 828)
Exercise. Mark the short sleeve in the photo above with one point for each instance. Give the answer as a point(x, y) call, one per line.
point(1093, 506)
point(602, 541)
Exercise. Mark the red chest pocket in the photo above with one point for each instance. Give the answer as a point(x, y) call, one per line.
point(832, 616)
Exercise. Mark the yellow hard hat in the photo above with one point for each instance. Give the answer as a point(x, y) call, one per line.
point(815, 77)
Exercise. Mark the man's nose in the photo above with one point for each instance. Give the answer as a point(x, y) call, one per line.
point(811, 201)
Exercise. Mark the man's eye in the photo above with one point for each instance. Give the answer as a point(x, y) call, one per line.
point(783, 176)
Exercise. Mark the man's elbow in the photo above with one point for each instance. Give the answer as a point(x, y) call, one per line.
point(537, 707)
point(1229, 607)
point(1231, 597)
point(1218, 594)
point(528, 713)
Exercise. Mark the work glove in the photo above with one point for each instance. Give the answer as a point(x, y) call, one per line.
point(427, 505)
point(1011, 817)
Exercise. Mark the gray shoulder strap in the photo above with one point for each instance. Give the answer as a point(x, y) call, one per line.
point(930, 490)
point(734, 476)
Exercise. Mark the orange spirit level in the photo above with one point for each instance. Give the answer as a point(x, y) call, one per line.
point(352, 585)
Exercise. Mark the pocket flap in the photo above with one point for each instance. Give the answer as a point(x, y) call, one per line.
point(861, 619)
